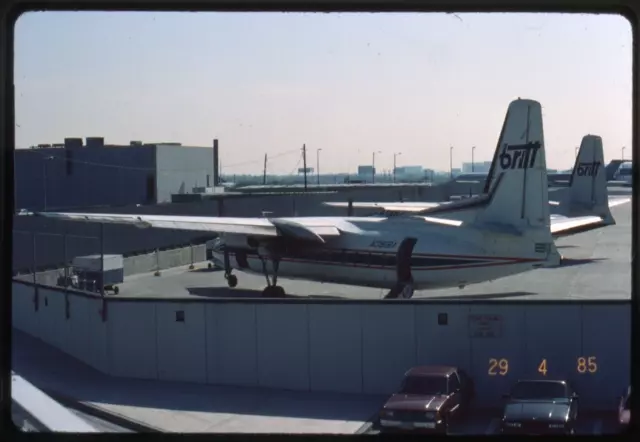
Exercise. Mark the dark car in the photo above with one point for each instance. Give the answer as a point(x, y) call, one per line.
point(624, 410)
point(540, 407)
point(429, 399)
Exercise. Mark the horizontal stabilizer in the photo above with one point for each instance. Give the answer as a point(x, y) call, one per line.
point(390, 207)
point(442, 221)
point(561, 226)
point(618, 201)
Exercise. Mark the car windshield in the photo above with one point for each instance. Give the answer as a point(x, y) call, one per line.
point(424, 385)
point(538, 390)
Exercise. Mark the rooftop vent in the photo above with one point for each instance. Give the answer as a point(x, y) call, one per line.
point(95, 141)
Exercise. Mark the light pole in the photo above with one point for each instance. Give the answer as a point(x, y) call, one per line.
point(373, 167)
point(318, 164)
point(623, 148)
point(451, 161)
point(394, 165)
point(577, 148)
point(473, 149)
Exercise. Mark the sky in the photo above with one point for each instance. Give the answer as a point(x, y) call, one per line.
point(349, 84)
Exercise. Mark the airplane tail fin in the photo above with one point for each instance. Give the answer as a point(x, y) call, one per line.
point(517, 186)
point(587, 191)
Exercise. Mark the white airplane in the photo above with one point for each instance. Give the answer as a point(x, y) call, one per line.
point(585, 195)
point(508, 231)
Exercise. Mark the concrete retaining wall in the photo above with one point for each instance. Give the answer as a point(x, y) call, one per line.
point(360, 346)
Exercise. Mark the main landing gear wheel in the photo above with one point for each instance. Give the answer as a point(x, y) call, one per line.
point(407, 292)
point(401, 291)
point(232, 280)
point(272, 290)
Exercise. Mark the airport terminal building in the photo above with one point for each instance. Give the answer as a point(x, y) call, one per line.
point(78, 174)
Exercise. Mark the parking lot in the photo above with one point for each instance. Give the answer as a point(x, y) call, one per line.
point(487, 422)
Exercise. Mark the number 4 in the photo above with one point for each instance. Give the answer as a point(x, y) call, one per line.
point(542, 368)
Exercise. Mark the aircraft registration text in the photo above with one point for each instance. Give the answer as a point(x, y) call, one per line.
point(383, 244)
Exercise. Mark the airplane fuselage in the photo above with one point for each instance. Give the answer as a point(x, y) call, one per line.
point(366, 254)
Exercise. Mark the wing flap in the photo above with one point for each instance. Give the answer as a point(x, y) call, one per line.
point(303, 232)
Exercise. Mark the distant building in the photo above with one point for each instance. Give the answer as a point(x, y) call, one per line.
point(365, 172)
point(477, 166)
point(409, 173)
point(74, 174)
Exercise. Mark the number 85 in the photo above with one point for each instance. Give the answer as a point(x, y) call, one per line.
point(587, 364)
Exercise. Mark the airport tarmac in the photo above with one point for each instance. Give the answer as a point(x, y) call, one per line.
point(597, 266)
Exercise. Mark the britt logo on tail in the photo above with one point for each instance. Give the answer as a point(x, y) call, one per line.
point(588, 168)
point(519, 156)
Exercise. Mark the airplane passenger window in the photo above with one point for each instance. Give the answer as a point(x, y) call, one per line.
point(268, 220)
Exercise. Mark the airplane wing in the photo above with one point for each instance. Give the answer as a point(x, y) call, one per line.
point(563, 226)
point(243, 226)
point(618, 201)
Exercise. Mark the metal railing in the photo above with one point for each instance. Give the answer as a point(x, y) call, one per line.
point(34, 411)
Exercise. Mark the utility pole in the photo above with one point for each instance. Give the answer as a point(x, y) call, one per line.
point(264, 171)
point(318, 164)
point(394, 165)
point(451, 161)
point(304, 164)
point(373, 167)
point(473, 149)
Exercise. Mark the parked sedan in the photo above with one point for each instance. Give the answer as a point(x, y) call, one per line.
point(540, 407)
point(429, 399)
